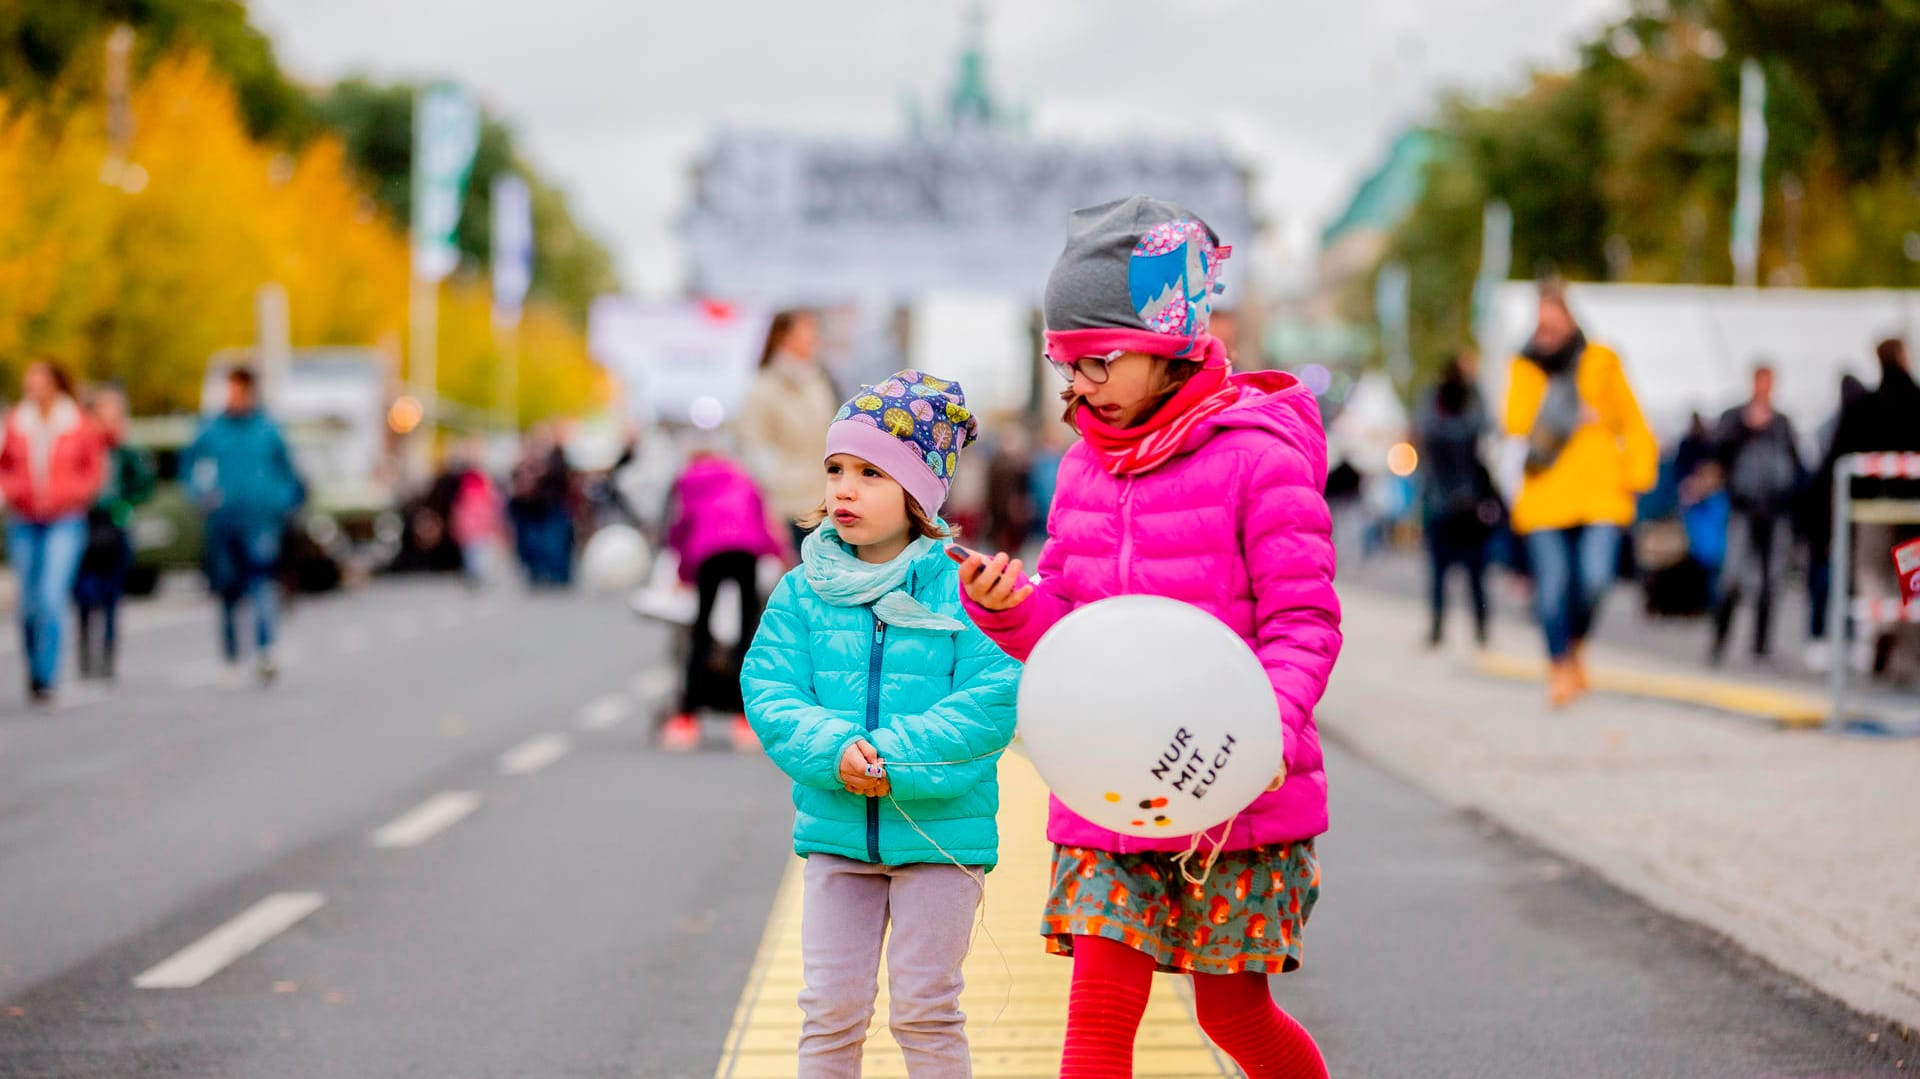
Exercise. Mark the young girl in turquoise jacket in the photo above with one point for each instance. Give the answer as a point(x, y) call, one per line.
point(869, 687)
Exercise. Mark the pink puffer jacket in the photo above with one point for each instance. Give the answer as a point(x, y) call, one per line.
point(1235, 525)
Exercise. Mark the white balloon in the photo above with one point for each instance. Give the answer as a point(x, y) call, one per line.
point(615, 559)
point(1150, 717)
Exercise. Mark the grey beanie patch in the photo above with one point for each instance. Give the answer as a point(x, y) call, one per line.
point(1135, 264)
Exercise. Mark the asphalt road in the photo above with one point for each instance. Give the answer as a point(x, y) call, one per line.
point(456, 853)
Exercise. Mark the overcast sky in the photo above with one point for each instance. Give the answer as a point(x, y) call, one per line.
point(613, 98)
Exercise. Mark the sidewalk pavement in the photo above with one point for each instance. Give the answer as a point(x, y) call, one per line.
point(1016, 994)
point(1800, 846)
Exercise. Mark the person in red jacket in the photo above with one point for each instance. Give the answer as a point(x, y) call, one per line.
point(52, 463)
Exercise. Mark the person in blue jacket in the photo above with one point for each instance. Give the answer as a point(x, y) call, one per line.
point(239, 472)
point(869, 687)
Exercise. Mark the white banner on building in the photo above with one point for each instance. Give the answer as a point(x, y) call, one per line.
point(682, 362)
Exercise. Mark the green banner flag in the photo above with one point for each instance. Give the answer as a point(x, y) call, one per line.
point(446, 131)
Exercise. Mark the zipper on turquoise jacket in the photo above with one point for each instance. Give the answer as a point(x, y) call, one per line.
point(873, 724)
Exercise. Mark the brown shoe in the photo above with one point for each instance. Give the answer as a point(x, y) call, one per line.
point(1578, 665)
point(1562, 683)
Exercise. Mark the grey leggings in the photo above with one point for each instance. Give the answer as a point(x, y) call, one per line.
point(847, 909)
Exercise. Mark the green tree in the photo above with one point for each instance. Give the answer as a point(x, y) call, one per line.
point(45, 43)
point(375, 121)
point(1856, 61)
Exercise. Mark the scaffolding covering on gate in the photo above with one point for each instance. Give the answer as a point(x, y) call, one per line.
point(791, 218)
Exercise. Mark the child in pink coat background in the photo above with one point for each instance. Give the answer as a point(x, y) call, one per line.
point(720, 530)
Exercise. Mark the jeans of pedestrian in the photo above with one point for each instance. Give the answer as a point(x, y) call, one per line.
point(844, 918)
point(1757, 549)
point(1572, 568)
point(241, 557)
point(45, 557)
point(544, 539)
point(1450, 544)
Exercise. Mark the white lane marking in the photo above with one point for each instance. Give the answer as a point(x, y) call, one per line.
point(534, 754)
point(654, 683)
point(605, 712)
point(426, 820)
point(250, 929)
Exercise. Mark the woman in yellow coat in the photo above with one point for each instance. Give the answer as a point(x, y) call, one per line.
point(1589, 452)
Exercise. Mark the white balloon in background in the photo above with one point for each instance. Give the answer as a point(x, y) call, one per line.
point(1149, 717)
point(615, 560)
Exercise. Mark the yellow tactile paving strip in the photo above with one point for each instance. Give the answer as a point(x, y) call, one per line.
point(1014, 1028)
point(1784, 708)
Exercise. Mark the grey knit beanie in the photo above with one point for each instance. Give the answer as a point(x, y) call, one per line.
point(1135, 264)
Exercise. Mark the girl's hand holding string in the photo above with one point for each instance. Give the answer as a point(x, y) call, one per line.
point(994, 583)
point(853, 771)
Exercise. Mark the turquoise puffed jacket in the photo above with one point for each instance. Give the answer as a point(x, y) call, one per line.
point(819, 676)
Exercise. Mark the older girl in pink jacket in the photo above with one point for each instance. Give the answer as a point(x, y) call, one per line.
point(1204, 486)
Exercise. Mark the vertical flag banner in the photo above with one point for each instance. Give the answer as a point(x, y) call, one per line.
point(1496, 261)
point(446, 131)
point(1391, 303)
point(1753, 154)
point(512, 247)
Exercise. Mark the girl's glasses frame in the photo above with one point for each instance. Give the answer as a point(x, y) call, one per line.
point(1094, 367)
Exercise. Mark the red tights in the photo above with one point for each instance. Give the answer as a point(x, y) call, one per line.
point(1109, 995)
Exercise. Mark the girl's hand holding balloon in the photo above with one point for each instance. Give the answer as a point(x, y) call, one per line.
point(1279, 780)
point(853, 771)
point(994, 583)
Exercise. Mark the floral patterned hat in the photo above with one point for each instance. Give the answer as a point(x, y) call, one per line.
point(913, 427)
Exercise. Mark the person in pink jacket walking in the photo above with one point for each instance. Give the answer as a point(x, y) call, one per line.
point(720, 530)
point(1205, 486)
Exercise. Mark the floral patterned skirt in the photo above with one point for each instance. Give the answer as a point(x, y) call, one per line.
point(1248, 915)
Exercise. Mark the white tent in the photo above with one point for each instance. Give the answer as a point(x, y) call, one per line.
point(1690, 348)
point(1371, 422)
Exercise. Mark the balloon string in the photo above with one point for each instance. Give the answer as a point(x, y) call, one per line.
point(979, 879)
point(1206, 867)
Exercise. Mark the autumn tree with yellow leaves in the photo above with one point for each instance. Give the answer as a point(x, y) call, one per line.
point(137, 272)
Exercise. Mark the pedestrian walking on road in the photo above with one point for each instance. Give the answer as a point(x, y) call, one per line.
point(1204, 486)
point(785, 418)
point(52, 461)
point(129, 480)
point(542, 509)
point(1460, 507)
point(1760, 457)
point(869, 687)
point(1815, 524)
point(477, 517)
point(1886, 420)
point(239, 472)
point(720, 530)
point(1588, 454)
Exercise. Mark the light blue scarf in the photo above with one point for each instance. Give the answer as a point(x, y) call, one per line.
point(839, 576)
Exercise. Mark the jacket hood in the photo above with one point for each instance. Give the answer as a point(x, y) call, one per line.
point(1276, 402)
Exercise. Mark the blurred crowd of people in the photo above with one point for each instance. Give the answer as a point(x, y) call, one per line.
point(1567, 487)
point(71, 485)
